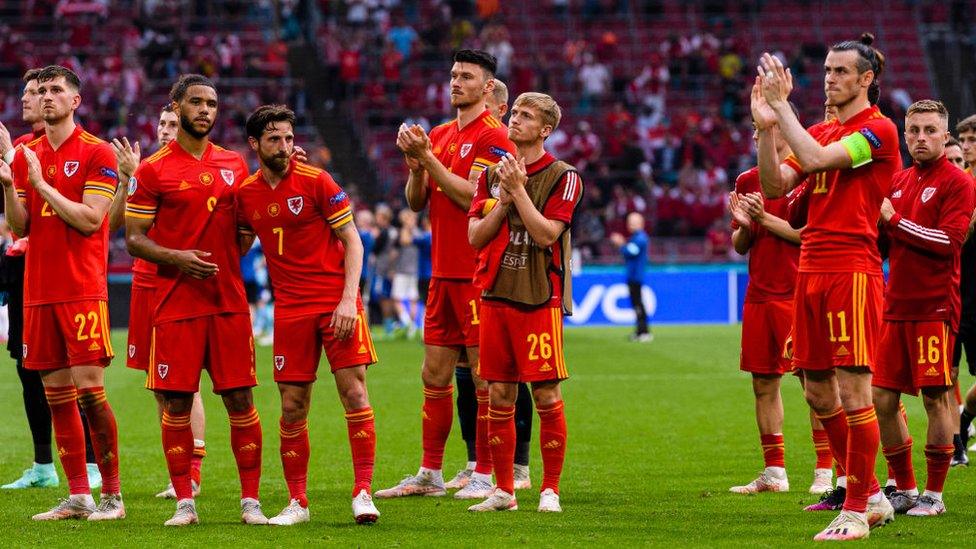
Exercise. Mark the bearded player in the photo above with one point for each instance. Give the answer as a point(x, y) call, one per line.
point(140, 302)
point(186, 194)
point(443, 173)
point(305, 224)
point(837, 306)
point(467, 402)
point(926, 217)
point(65, 182)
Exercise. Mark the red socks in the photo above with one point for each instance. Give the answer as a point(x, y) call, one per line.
point(438, 415)
point(501, 442)
point(245, 440)
point(196, 460)
point(104, 435)
point(937, 459)
point(835, 424)
point(481, 448)
point(821, 444)
point(774, 450)
point(862, 451)
point(69, 436)
point(178, 448)
point(294, 458)
point(362, 441)
point(899, 460)
point(552, 438)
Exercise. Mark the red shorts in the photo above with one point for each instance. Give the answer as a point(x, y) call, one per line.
point(765, 328)
point(299, 341)
point(521, 345)
point(914, 354)
point(451, 318)
point(62, 335)
point(836, 319)
point(140, 328)
point(181, 349)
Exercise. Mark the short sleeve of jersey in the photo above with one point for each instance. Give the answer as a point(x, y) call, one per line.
point(878, 139)
point(334, 201)
point(102, 179)
point(481, 196)
point(143, 193)
point(563, 200)
point(815, 131)
point(492, 146)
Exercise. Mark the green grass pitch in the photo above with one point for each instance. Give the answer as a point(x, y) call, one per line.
point(657, 434)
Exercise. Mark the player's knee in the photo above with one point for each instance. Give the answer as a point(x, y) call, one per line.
point(354, 396)
point(293, 410)
point(236, 401)
point(177, 403)
point(936, 399)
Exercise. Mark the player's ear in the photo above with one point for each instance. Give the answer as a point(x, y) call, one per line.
point(253, 143)
point(546, 131)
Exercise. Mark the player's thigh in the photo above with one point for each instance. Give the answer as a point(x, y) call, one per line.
point(177, 354)
point(296, 349)
point(537, 344)
point(931, 346)
point(496, 360)
point(894, 358)
point(140, 329)
point(43, 339)
point(230, 352)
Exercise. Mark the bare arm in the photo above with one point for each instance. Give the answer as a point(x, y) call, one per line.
point(481, 231)
point(140, 245)
point(457, 188)
point(776, 179)
point(513, 176)
point(417, 189)
point(742, 235)
point(345, 316)
point(86, 216)
point(742, 240)
point(13, 208)
point(127, 157)
point(777, 83)
point(753, 205)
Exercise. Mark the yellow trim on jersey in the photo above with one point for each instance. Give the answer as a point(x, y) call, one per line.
point(158, 154)
point(106, 328)
point(946, 368)
point(338, 215)
point(35, 141)
point(102, 185)
point(368, 339)
point(491, 122)
point(249, 179)
point(21, 193)
point(140, 212)
point(139, 216)
point(100, 192)
point(557, 342)
point(305, 169)
point(90, 139)
point(152, 360)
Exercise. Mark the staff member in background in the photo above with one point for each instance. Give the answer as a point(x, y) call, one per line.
point(634, 251)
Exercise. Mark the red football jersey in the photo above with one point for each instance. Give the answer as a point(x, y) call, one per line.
point(463, 151)
point(62, 264)
point(773, 261)
point(193, 203)
point(295, 222)
point(933, 205)
point(842, 226)
point(559, 206)
point(27, 138)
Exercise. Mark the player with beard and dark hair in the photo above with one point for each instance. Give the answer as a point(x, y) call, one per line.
point(140, 302)
point(314, 253)
point(849, 162)
point(444, 170)
point(186, 194)
point(65, 182)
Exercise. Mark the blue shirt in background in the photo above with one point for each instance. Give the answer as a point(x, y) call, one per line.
point(635, 256)
point(422, 242)
point(368, 241)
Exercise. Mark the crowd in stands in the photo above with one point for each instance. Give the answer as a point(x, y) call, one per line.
point(662, 130)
